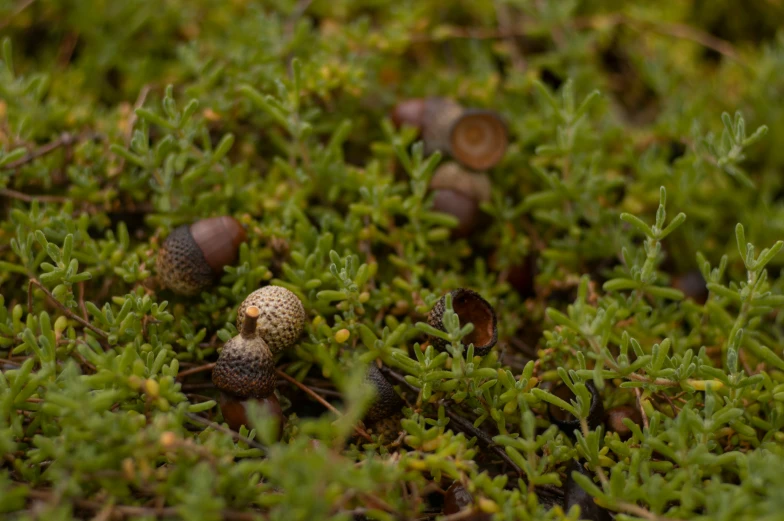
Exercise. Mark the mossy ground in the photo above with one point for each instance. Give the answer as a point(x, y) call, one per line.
point(121, 120)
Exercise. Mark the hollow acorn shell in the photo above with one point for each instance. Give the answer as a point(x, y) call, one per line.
point(245, 368)
point(191, 257)
point(282, 317)
point(470, 307)
point(565, 420)
point(387, 402)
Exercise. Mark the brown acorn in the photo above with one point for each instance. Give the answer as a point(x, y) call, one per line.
point(615, 416)
point(469, 307)
point(192, 257)
point(477, 138)
point(458, 192)
point(282, 316)
point(565, 420)
point(458, 499)
point(235, 410)
point(245, 366)
point(387, 402)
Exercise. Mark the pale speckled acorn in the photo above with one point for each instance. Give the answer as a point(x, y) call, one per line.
point(469, 307)
point(282, 316)
point(245, 366)
point(458, 192)
point(477, 138)
point(193, 256)
point(387, 402)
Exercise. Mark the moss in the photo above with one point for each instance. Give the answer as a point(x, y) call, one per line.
point(630, 245)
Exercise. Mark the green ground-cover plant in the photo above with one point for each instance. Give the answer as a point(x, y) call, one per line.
point(645, 145)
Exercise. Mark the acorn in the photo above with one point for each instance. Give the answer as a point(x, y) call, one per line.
point(387, 402)
point(457, 499)
point(245, 366)
point(615, 416)
point(693, 285)
point(235, 410)
point(192, 257)
point(282, 316)
point(458, 192)
point(565, 420)
point(575, 495)
point(477, 138)
point(470, 307)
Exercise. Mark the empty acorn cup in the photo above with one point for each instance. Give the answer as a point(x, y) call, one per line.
point(477, 138)
point(565, 420)
point(458, 192)
point(469, 307)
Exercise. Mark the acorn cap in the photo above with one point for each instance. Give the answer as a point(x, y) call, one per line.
point(219, 239)
point(615, 416)
point(192, 257)
point(566, 420)
point(452, 176)
point(478, 139)
point(245, 366)
point(387, 402)
point(282, 316)
point(470, 307)
point(409, 112)
point(575, 495)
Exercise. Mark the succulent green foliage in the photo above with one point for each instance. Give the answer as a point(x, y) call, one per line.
point(641, 135)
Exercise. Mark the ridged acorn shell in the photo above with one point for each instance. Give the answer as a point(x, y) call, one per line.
point(478, 139)
point(245, 368)
point(191, 257)
point(565, 420)
point(282, 316)
point(387, 402)
point(470, 307)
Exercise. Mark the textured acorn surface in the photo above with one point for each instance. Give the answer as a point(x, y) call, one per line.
point(565, 420)
point(245, 368)
point(470, 307)
point(575, 495)
point(387, 402)
point(181, 264)
point(615, 416)
point(282, 316)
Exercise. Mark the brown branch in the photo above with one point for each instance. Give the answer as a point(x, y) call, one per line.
point(64, 140)
point(34, 282)
point(194, 370)
point(13, 194)
point(310, 392)
point(135, 511)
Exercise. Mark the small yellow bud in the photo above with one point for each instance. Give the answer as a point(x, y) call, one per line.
point(152, 388)
point(342, 335)
point(168, 439)
point(488, 505)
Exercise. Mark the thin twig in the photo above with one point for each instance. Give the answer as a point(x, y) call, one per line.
point(236, 435)
point(194, 370)
point(13, 194)
point(68, 312)
point(310, 392)
point(63, 140)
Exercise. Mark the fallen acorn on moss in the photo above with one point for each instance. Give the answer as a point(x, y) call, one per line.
point(615, 416)
point(282, 316)
point(458, 192)
point(469, 307)
point(193, 256)
point(565, 420)
point(458, 499)
point(477, 138)
point(245, 370)
point(575, 495)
